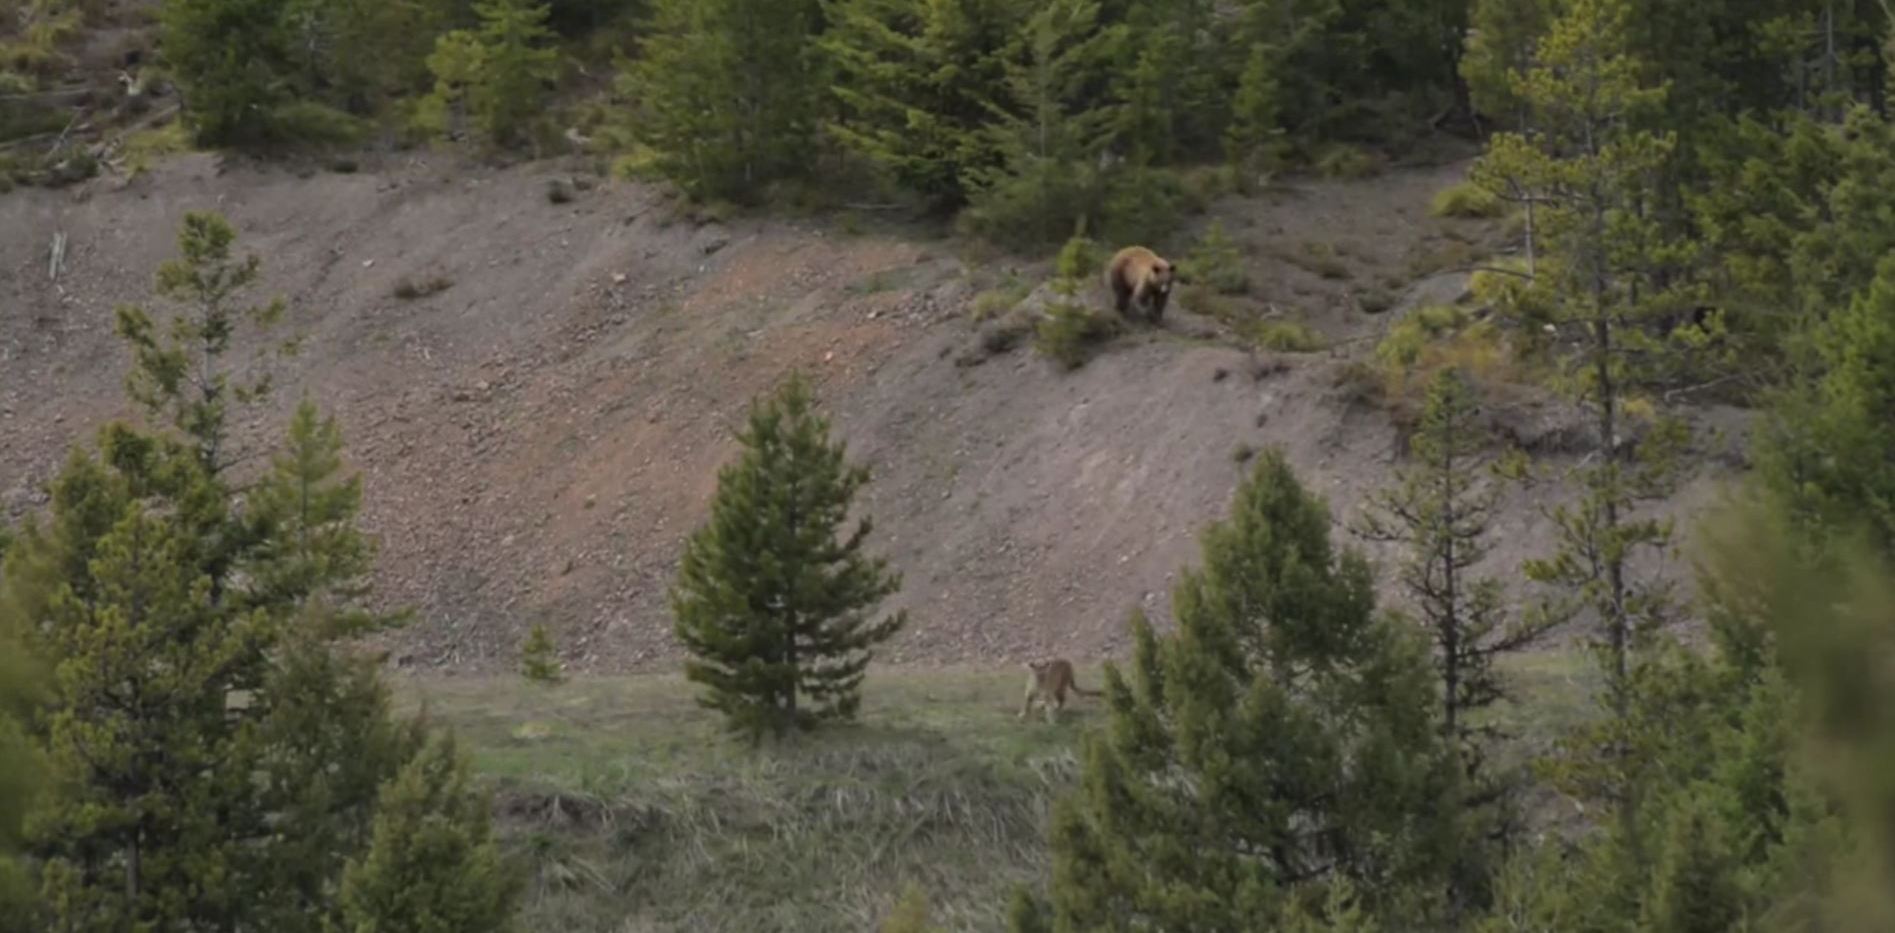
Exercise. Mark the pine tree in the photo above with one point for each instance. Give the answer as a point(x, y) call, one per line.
point(729, 92)
point(180, 373)
point(332, 742)
point(157, 593)
point(1303, 44)
point(915, 80)
point(151, 768)
point(1440, 515)
point(1049, 131)
point(309, 558)
point(1828, 451)
point(1281, 743)
point(228, 59)
point(538, 660)
point(22, 680)
point(1170, 102)
point(1589, 166)
point(358, 53)
point(432, 865)
point(772, 603)
point(501, 70)
point(1253, 139)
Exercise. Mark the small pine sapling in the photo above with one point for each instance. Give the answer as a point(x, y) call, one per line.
point(539, 660)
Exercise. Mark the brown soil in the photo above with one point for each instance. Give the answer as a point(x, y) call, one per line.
point(538, 437)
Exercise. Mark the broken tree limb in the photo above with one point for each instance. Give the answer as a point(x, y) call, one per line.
point(58, 261)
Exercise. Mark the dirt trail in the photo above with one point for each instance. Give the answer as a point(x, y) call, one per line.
point(538, 438)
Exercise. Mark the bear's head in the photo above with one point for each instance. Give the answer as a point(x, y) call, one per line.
point(1162, 274)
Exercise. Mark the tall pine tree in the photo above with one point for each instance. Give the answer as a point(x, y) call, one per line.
point(1441, 515)
point(1282, 742)
point(729, 92)
point(1828, 450)
point(915, 80)
point(1051, 129)
point(772, 599)
point(500, 70)
point(158, 594)
point(1589, 167)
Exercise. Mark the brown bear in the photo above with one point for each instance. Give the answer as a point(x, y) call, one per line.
point(1136, 273)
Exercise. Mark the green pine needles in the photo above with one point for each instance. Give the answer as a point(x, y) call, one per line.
point(539, 661)
point(1281, 748)
point(772, 600)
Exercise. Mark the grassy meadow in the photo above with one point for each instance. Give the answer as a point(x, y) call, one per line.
point(633, 811)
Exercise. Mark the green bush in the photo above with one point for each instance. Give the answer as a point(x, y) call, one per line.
point(1071, 333)
point(1466, 200)
point(1080, 257)
point(1216, 262)
point(1287, 337)
point(997, 301)
point(1347, 162)
point(1403, 343)
point(1321, 259)
point(1439, 337)
point(311, 121)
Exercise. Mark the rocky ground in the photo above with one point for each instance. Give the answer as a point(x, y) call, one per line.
point(540, 433)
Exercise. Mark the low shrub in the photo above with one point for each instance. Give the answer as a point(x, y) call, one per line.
point(1071, 333)
point(1216, 262)
point(1347, 162)
point(1320, 258)
point(1466, 200)
point(410, 290)
point(1438, 337)
point(1287, 337)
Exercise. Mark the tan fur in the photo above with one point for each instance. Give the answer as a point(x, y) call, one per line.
point(1138, 274)
point(1048, 680)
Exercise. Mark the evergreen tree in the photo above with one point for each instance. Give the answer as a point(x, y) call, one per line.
point(432, 865)
point(1253, 139)
point(1829, 449)
point(1280, 744)
point(181, 373)
point(772, 603)
point(729, 92)
point(22, 680)
point(1499, 48)
point(1050, 132)
point(151, 821)
point(157, 594)
point(308, 557)
point(916, 80)
point(330, 742)
point(538, 661)
point(1589, 167)
point(501, 70)
point(1170, 102)
point(357, 53)
point(1439, 513)
point(228, 59)
point(1293, 36)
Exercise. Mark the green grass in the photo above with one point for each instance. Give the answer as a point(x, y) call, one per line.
point(679, 827)
point(629, 809)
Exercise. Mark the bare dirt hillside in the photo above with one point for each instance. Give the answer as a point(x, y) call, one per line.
point(539, 436)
